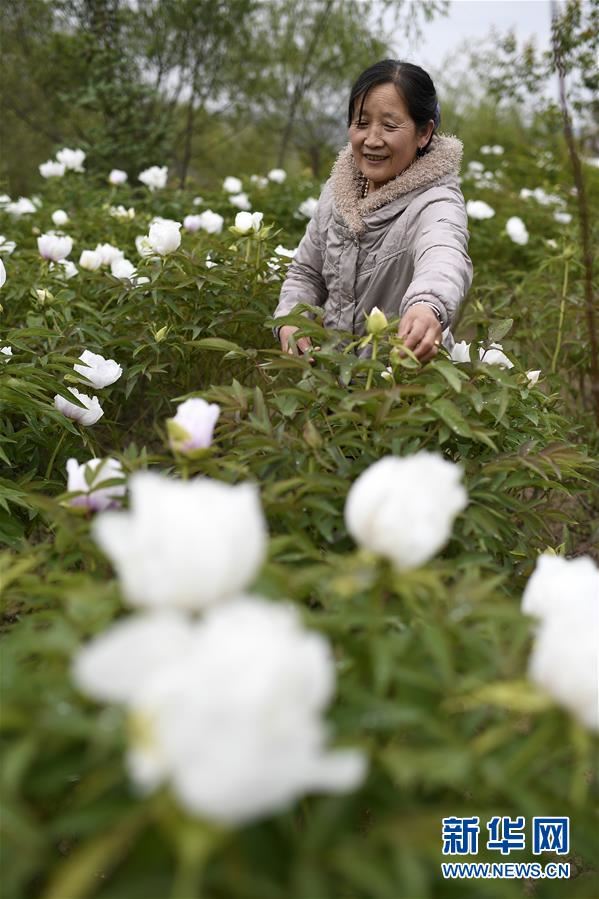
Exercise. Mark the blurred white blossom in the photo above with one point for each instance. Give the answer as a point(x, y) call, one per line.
point(65, 268)
point(248, 222)
point(242, 201)
point(165, 236)
point(564, 218)
point(192, 222)
point(71, 159)
point(22, 206)
point(121, 212)
point(232, 185)
point(212, 222)
point(308, 207)
point(277, 175)
point(193, 425)
point(53, 247)
point(197, 201)
point(516, 230)
point(563, 595)
point(494, 355)
point(7, 247)
point(184, 543)
point(89, 415)
point(123, 269)
point(143, 246)
point(60, 217)
point(6, 351)
point(533, 377)
point(259, 181)
point(404, 508)
point(155, 177)
point(478, 209)
point(280, 250)
point(108, 253)
point(460, 352)
point(117, 176)
point(87, 479)
point(98, 371)
point(2, 274)
point(52, 169)
point(90, 260)
point(232, 748)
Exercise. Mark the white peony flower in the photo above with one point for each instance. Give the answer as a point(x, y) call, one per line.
point(533, 377)
point(123, 269)
point(475, 167)
point(155, 177)
point(7, 247)
point(494, 356)
point(525, 193)
point(71, 159)
point(2, 274)
point(22, 206)
point(184, 543)
point(143, 246)
point(6, 351)
point(232, 185)
point(259, 181)
point(516, 230)
point(242, 201)
point(233, 748)
point(53, 247)
point(66, 268)
point(308, 207)
point(60, 218)
point(403, 508)
point(192, 222)
point(87, 480)
point(193, 425)
point(497, 149)
point(121, 212)
point(108, 253)
point(98, 371)
point(550, 242)
point(89, 415)
point(248, 222)
point(4, 200)
point(164, 236)
point(277, 175)
point(117, 176)
point(478, 209)
point(560, 585)
point(197, 201)
point(90, 260)
point(52, 169)
point(485, 150)
point(212, 222)
point(564, 218)
point(460, 352)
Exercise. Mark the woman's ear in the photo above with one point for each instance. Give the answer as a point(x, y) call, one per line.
point(426, 134)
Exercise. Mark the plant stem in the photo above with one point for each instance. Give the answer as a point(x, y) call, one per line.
point(54, 454)
point(562, 311)
point(373, 357)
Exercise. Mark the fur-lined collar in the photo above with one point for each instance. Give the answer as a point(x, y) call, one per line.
point(443, 158)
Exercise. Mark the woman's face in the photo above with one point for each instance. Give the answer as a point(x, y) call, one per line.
point(384, 138)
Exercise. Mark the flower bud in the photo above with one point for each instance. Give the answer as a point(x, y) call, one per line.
point(376, 322)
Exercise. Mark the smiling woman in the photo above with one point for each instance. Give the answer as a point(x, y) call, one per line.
point(390, 229)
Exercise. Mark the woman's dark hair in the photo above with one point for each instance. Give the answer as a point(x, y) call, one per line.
point(413, 84)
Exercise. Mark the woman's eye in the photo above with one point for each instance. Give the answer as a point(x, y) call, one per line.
point(361, 124)
point(390, 127)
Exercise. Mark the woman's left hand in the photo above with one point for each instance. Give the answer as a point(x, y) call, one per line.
point(421, 331)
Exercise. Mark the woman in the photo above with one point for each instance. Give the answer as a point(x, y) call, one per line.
point(390, 229)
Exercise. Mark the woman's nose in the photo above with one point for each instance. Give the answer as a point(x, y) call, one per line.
point(373, 136)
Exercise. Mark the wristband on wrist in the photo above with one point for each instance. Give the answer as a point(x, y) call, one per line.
point(432, 306)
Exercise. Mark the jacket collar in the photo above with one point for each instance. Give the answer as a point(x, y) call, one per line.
point(443, 158)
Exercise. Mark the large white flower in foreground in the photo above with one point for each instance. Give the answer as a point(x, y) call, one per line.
point(516, 230)
point(87, 480)
point(184, 543)
point(193, 425)
point(98, 371)
point(53, 247)
point(404, 508)
point(228, 711)
point(88, 415)
point(560, 585)
point(71, 159)
point(164, 236)
point(155, 177)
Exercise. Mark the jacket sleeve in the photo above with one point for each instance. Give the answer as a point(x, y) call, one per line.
point(304, 282)
point(442, 267)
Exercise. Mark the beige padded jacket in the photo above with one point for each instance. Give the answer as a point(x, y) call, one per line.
point(403, 243)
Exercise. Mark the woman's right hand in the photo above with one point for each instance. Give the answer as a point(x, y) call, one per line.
point(303, 344)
